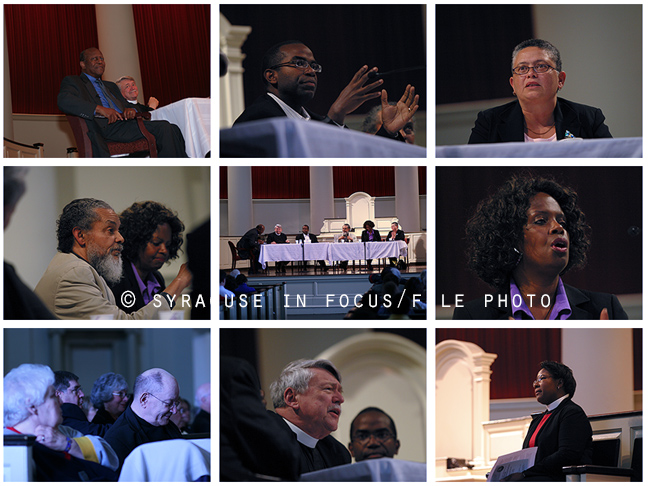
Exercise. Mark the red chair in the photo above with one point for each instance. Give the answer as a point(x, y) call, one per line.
point(235, 255)
point(84, 146)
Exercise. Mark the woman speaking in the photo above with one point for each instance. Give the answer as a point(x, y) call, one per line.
point(521, 240)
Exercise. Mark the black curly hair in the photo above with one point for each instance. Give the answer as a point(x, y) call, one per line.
point(496, 228)
point(141, 220)
point(562, 372)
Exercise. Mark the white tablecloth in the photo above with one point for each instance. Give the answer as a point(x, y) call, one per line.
point(598, 147)
point(283, 137)
point(166, 460)
point(192, 115)
point(386, 470)
point(331, 251)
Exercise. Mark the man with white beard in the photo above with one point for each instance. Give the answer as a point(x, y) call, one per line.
point(89, 243)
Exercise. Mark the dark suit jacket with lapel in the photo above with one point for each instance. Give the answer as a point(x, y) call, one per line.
point(265, 107)
point(585, 305)
point(506, 123)
point(332, 451)
point(78, 97)
point(400, 235)
point(365, 235)
point(273, 238)
point(128, 282)
point(564, 440)
point(312, 237)
point(74, 417)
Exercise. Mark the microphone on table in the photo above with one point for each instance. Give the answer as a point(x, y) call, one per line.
point(372, 75)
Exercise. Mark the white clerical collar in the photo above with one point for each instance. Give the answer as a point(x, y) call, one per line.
point(133, 102)
point(290, 113)
point(302, 436)
point(554, 405)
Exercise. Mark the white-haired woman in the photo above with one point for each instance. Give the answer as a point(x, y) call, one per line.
point(32, 407)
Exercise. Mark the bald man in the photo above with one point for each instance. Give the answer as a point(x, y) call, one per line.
point(155, 399)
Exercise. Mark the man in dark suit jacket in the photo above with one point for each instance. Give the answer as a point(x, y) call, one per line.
point(248, 247)
point(305, 236)
point(311, 413)
point(505, 123)
point(585, 305)
point(108, 114)
point(290, 76)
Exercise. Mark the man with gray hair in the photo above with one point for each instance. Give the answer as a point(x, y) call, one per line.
point(74, 285)
point(155, 399)
point(308, 399)
point(130, 91)
point(202, 422)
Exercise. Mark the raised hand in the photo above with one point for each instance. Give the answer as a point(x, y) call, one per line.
point(354, 95)
point(396, 117)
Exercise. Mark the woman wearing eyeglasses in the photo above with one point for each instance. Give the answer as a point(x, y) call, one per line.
point(538, 114)
point(562, 434)
point(110, 397)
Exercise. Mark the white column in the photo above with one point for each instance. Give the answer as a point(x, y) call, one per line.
point(601, 360)
point(8, 110)
point(321, 197)
point(240, 217)
point(118, 43)
point(232, 101)
point(408, 208)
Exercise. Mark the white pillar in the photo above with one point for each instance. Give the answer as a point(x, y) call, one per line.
point(321, 197)
point(240, 217)
point(408, 209)
point(232, 100)
point(602, 362)
point(118, 43)
point(8, 110)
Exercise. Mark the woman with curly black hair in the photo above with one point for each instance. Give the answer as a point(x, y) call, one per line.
point(152, 236)
point(520, 241)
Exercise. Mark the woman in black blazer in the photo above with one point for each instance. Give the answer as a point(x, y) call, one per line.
point(369, 234)
point(538, 114)
point(521, 240)
point(562, 434)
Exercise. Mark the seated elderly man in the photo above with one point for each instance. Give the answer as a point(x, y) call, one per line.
point(129, 91)
point(60, 453)
point(373, 435)
point(155, 399)
point(109, 396)
point(74, 285)
point(345, 237)
point(202, 422)
point(278, 237)
point(71, 396)
point(308, 399)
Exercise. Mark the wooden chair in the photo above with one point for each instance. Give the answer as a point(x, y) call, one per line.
point(84, 146)
point(14, 149)
point(235, 255)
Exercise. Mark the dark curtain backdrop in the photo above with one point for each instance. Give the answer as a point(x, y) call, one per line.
point(343, 38)
point(474, 46)
point(174, 50)
point(44, 43)
point(519, 351)
point(294, 182)
point(611, 198)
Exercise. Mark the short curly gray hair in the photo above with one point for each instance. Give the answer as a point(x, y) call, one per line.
point(297, 375)
point(103, 388)
point(24, 387)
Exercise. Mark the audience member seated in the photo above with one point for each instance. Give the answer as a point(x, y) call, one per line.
point(367, 308)
point(182, 416)
point(20, 302)
point(223, 292)
point(306, 237)
point(60, 453)
point(75, 286)
point(373, 435)
point(112, 119)
point(109, 396)
point(249, 247)
point(152, 237)
point(71, 395)
point(369, 234)
point(155, 398)
point(130, 92)
point(202, 422)
point(307, 398)
point(242, 287)
point(253, 444)
point(278, 237)
point(230, 283)
point(394, 235)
